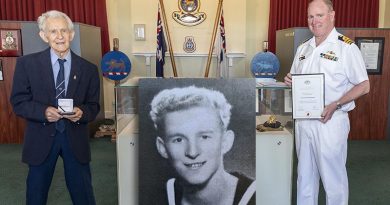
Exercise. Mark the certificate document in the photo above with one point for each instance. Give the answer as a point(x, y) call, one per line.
point(308, 93)
point(370, 53)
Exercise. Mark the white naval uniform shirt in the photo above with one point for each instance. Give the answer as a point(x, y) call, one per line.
point(340, 60)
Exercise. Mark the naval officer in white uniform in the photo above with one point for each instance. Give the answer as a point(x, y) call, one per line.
point(322, 144)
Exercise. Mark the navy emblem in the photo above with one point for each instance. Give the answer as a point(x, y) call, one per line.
point(189, 45)
point(115, 65)
point(189, 14)
point(9, 41)
point(302, 57)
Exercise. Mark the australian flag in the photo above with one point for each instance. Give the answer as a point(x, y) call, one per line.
point(161, 47)
point(223, 38)
point(222, 68)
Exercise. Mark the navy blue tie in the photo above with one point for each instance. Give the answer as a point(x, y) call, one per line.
point(60, 92)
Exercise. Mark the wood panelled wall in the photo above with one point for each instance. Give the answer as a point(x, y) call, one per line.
point(11, 126)
point(369, 120)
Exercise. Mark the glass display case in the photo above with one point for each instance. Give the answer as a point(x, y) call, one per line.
point(274, 100)
point(274, 145)
point(126, 105)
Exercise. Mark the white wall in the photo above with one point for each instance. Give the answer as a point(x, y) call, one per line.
point(257, 17)
point(246, 25)
point(382, 14)
point(386, 17)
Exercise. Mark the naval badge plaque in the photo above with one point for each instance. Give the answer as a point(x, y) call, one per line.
point(189, 45)
point(10, 42)
point(189, 14)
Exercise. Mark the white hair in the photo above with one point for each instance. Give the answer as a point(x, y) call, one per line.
point(328, 3)
point(53, 14)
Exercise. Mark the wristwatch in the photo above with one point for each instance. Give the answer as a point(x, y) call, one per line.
point(338, 106)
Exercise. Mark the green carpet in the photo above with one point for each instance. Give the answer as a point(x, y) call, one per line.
point(368, 170)
point(368, 167)
point(103, 166)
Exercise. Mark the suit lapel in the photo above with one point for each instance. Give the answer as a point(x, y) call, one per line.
point(47, 73)
point(75, 76)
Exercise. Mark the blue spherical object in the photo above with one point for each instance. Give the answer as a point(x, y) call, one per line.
point(265, 65)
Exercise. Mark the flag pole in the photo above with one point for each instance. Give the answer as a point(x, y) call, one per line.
point(216, 23)
point(168, 38)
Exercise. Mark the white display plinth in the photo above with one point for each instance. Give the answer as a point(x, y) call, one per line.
point(127, 165)
point(274, 164)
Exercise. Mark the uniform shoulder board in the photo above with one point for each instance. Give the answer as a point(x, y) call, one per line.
point(345, 39)
point(306, 40)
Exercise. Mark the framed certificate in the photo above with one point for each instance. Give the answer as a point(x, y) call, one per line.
point(372, 51)
point(308, 95)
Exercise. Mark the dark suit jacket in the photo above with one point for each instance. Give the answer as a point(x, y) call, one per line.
point(34, 90)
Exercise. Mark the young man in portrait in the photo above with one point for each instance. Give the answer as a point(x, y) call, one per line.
point(193, 137)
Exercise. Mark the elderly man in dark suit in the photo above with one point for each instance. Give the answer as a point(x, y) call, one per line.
point(40, 80)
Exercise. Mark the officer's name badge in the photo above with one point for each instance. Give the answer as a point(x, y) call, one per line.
point(330, 55)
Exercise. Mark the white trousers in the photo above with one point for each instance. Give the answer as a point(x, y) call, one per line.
point(322, 153)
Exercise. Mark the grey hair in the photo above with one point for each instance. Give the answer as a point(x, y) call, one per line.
point(328, 3)
point(53, 14)
point(170, 100)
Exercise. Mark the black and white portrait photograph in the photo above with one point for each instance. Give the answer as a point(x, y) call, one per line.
point(197, 141)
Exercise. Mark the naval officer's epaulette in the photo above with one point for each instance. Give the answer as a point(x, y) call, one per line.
point(345, 39)
point(306, 40)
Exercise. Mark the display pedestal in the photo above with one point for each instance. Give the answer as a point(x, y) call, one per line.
point(274, 163)
point(127, 165)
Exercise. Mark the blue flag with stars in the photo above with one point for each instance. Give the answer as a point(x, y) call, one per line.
point(161, 47)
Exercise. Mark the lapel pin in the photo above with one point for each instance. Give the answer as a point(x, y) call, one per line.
point(74, 77)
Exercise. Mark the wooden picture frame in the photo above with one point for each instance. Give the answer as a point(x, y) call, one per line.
point(1, 70)
point(372, 49)
point(10, 42)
